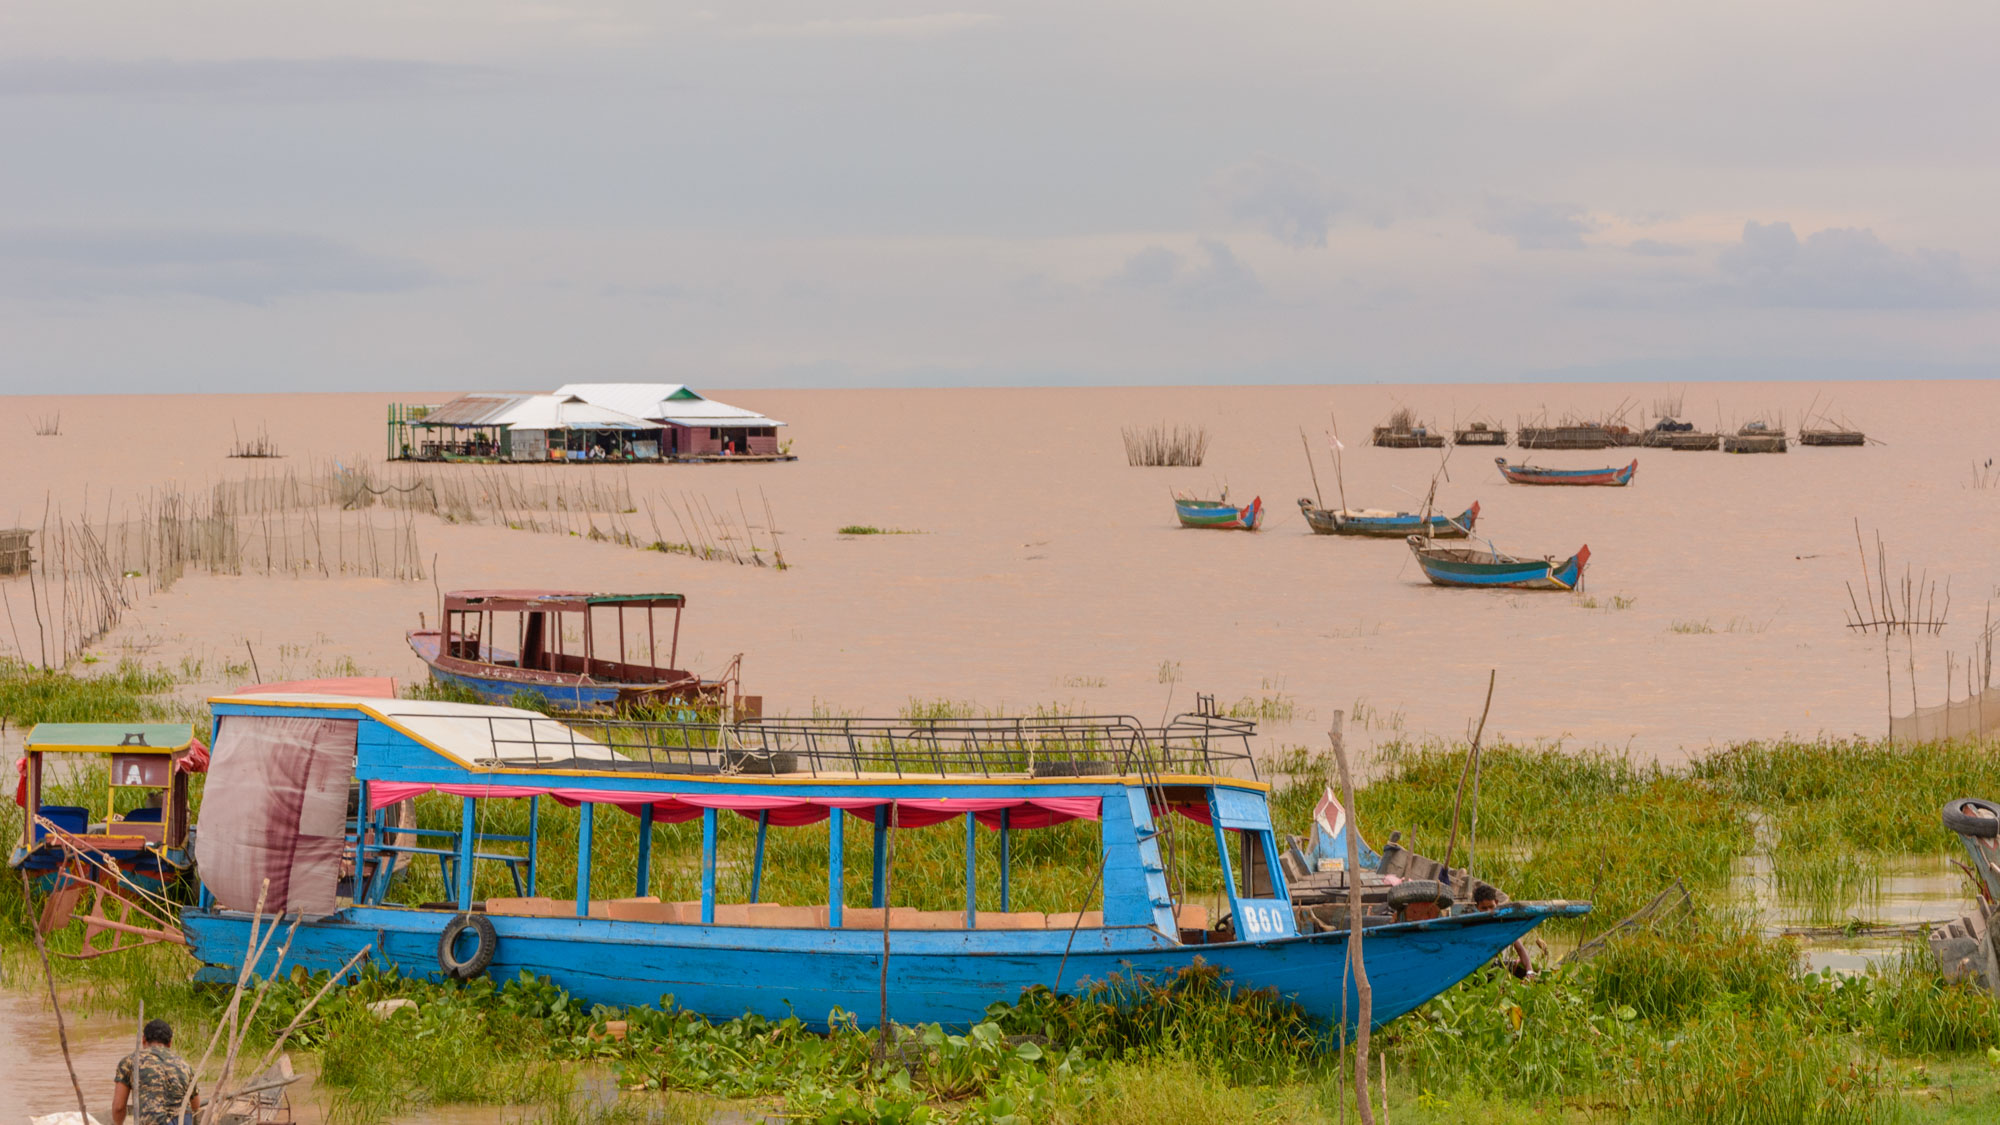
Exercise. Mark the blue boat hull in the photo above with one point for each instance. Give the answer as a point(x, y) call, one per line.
point(568, 697)
point(946, 977)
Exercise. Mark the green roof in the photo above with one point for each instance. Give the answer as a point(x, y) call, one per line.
point(159, 738)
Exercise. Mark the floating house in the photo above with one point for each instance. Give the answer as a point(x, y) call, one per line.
point(584, 422)
point(691, 426)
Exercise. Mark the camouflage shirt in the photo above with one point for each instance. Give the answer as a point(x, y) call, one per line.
point(158, 1079)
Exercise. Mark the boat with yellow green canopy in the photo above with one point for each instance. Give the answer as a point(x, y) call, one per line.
point(139, 824)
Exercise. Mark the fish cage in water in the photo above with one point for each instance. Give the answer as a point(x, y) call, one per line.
point(15, 554)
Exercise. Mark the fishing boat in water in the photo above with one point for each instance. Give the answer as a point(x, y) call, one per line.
point(1382, 523)
point(1535, 474)
point(1144, 797)
point(579, 651)
point(1218, 514)
point(1464, 566)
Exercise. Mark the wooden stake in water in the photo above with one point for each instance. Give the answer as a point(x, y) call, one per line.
point(1363, 994)
point(62, 1033)
point(1317, 499)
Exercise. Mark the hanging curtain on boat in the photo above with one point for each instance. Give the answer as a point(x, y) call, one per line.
point(276, 809)
point(789, 812)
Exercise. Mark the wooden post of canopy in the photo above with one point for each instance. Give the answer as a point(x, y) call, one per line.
point(645, 865)
point(708, 867)
point(971, 857)
point(836, 850)
point(584, 815)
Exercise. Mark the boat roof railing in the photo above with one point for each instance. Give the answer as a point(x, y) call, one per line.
point(835, 747)
point(561, 601)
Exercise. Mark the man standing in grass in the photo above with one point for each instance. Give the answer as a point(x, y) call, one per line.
point(153, 1081)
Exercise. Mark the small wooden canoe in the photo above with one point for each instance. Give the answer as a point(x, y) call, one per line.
point(1387, 525)
point(1220, 515)
point(1534, 474)
point(1462, 566)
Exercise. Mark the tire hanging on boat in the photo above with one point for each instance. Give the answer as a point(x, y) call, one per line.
point(482, 954)
point(1972, 824)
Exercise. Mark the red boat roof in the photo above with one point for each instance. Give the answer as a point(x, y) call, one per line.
point(553, 599)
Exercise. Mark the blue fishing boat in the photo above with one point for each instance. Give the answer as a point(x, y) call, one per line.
point(1220, 514)
point(1462, 566)
point(731, 951)
point(1535, 474)
point(1383, 524)
point(579, 651)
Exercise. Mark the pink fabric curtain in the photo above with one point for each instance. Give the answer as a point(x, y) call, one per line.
point(276, 809)
point(673, 808)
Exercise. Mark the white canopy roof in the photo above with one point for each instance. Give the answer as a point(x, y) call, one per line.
point(665, 402)
point(567, 412)
point(470, 732)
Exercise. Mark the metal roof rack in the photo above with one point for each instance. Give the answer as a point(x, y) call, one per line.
point(1024, 746)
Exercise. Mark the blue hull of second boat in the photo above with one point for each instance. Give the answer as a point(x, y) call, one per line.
point(947, 977)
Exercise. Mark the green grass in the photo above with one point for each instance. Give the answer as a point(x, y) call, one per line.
point(871, 529)
point(1704, 1020)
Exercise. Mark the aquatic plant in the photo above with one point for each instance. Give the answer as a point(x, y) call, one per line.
point(1161, 446)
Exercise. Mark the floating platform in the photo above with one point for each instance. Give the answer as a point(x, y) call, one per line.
point(1565, 437)
point(1406, 439)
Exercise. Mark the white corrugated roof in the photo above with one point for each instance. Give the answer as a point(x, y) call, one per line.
point(670, 402)
point(567, 412)
point(472, 732)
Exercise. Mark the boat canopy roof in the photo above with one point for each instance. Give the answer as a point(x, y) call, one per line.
point(472, 733)
point(105, 738)
point(560, 601)
point(465, 743)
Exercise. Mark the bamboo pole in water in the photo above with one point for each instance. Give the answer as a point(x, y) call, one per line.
point(62, 1032)
point(1363, 994)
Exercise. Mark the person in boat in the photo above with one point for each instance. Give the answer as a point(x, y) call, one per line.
point(1516, 959)
point(153, 1081)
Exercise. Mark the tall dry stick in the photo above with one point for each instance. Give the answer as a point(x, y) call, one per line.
point(62, 1032)
point(1310, 468)
point(885, 1029)
point(1471, 755)
point(1363, 994)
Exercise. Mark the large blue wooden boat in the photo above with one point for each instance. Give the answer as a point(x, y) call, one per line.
point(1462, 566)
point(731, 951)
point(578, 651)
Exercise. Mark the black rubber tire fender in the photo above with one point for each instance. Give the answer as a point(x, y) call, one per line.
point(1420, 890)
point(1972, 824)
point(482, 955)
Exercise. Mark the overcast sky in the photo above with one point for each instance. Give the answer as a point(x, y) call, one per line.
point(377, 194)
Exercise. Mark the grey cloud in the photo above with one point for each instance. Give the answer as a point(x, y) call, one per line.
point(1151, 268)
point(1653, 248)
point(1536, 226)
point(1218, 277)
point(891, 27)
point(1293, 203)
point(1223, 278)
point(1842, 268)
point(249, 268)
point(237, 79)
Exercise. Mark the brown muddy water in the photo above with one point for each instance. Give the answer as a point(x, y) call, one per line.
point(1045, 570)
